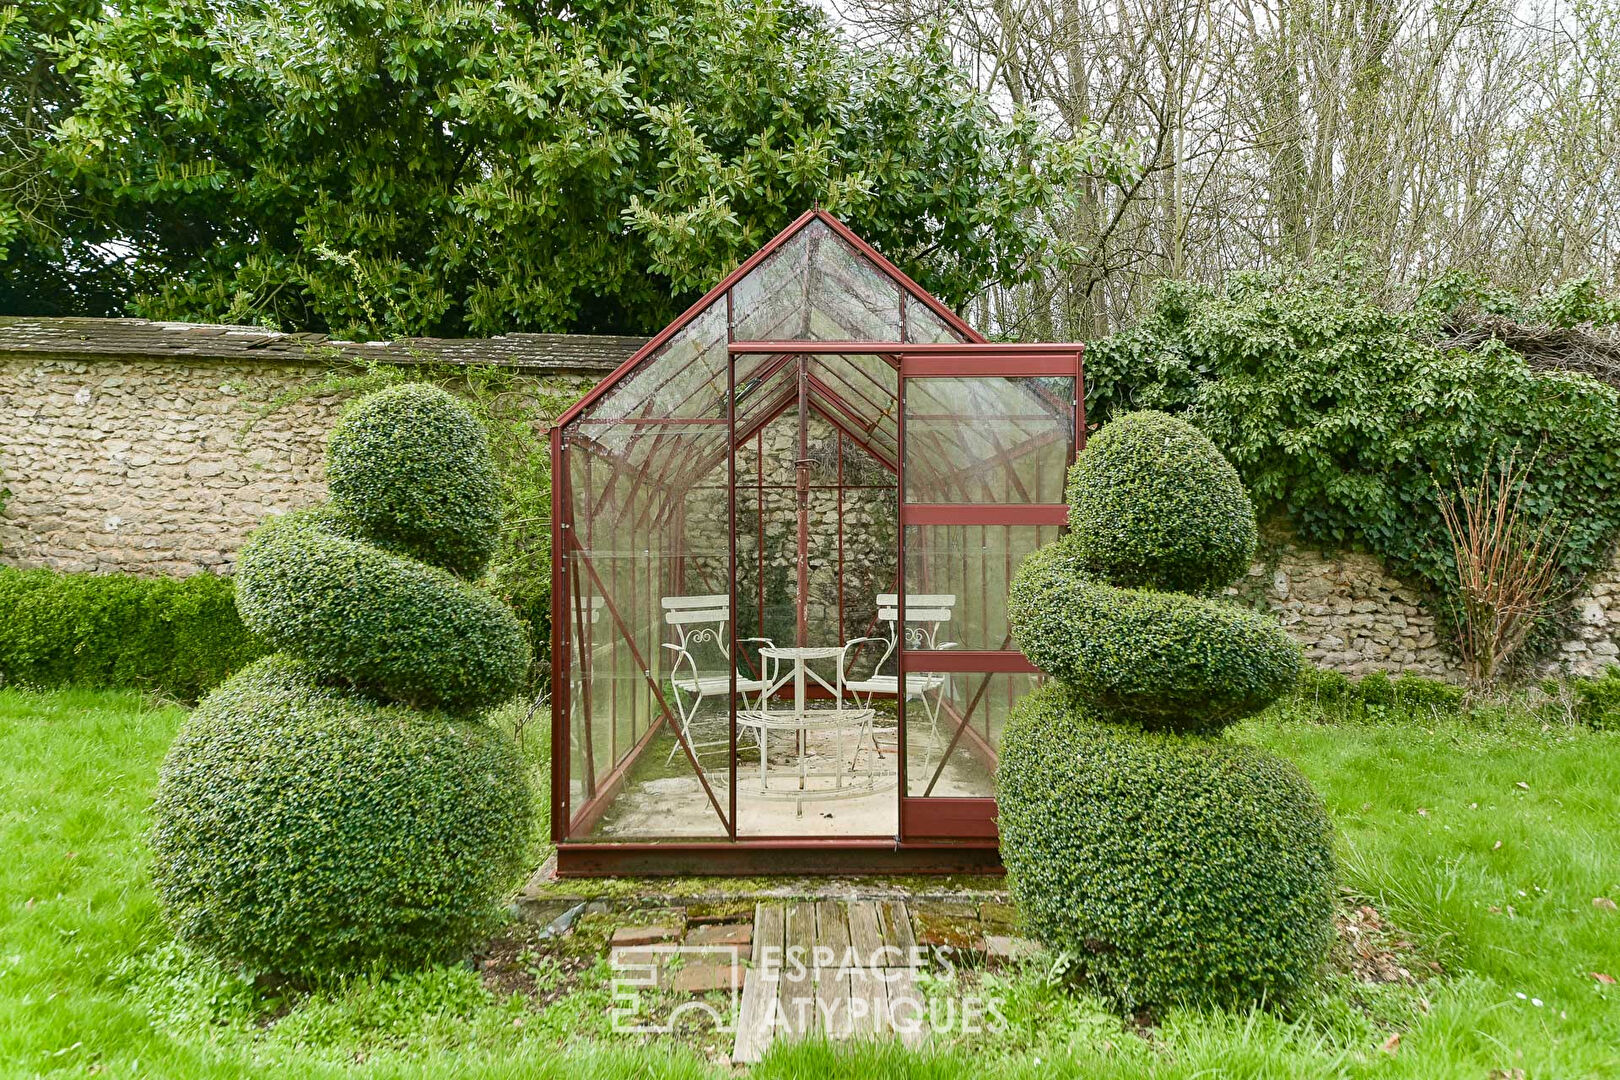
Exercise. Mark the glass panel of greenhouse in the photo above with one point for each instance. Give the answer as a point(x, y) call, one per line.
point(784, 531)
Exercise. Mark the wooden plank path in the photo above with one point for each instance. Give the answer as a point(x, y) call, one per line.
point(841, 968)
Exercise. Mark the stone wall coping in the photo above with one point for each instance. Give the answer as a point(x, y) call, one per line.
point(87, 338)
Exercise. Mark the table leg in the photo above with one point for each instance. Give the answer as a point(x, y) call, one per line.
point(799, 664)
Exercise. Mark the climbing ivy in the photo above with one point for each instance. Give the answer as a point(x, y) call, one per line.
point(1347, 415)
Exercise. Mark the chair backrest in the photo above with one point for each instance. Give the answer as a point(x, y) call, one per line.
point(591, 607)
point(925, 614)
point(699, 618)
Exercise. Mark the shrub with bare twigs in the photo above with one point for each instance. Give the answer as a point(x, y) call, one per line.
point(1507, 566)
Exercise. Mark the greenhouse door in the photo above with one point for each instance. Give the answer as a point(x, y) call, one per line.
point(987, 436)
point(814, 520)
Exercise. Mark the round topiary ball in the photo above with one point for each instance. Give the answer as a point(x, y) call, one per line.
point(1153, 503)
point(411, 466)
point(304, 830)
point(384, 623)
point(1165, 660)
point(1176, 870)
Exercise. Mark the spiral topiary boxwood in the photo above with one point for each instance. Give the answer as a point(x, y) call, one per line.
point(412, 467)
point(1176, 870)
point(306, 829)
point(1174, 867)
point(1153, 503)
point(334, 808)
point(385, 623)
point(1165, 660)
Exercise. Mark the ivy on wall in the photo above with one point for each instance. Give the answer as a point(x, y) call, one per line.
point(1345, 414)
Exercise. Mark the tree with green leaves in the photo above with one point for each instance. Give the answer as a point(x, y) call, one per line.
point(472, 167)
point(58, 254)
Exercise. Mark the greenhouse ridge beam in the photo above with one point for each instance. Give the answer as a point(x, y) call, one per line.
point(975, 352)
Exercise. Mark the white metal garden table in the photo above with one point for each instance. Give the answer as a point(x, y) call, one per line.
point(849, 728)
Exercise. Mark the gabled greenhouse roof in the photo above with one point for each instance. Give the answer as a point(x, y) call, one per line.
point(816, 281)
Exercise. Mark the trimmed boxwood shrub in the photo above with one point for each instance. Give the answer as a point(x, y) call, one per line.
point(1175, 870)
point(383, 622)
point(302, 824)
point(411, 466)
point(177, 636)
point(1166, 660)
point(1152, 502)
point(305, 829)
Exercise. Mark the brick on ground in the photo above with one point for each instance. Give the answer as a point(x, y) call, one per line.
point(700, 978)
point(643, 935)
point(1006, 947)
point(738, 934)
point(997, 917)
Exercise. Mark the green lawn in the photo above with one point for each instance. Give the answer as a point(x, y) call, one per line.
point(1484, 843)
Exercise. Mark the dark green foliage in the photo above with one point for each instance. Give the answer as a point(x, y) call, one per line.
point(1165, 660)
point(1324, 684)
point(1597, 701)
point(1417, 692)
point(1174, 869)
point(178, 636)
point(1153, 503)
point(411, 466)
point(385, 623)
point(304, 829)
point(1344, 415)
point(396, 168)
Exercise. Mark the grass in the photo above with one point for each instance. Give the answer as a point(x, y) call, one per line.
point(1484, 840)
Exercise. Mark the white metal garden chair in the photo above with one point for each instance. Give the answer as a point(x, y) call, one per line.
point(926, 615)
point(699, 620)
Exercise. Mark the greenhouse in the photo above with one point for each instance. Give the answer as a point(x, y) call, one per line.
point(784, 531)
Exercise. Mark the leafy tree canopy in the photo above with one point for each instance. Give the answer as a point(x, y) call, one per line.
point(468, 167)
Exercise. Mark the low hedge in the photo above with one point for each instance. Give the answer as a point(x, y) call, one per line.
point(1597, 701)
point(1175, 870)
point(411, 466)
point(1405, 691)
point(177, 636)
point(1165, 660)
point(305, 830)
point(1153, 504)
point(384, 623)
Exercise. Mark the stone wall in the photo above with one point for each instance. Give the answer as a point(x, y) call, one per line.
point(1351, 615)
point(869, 517)
point(1596, 641)
point(164, 464)
point(1345, 609)
point(154, 466)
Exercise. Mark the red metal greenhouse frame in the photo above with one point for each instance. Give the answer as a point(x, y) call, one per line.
point(942, 460)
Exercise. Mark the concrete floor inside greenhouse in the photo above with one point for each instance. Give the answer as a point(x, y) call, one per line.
point(662, 797)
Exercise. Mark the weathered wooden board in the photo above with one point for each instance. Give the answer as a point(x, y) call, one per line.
point(768, 930)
